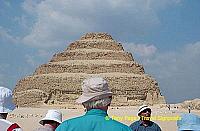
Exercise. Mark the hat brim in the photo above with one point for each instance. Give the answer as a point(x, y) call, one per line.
point(189, 127)
point(87, 97)
point(49, 119)
point(143, 110)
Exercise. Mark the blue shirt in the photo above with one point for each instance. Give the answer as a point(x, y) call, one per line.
point(93, 120)
point(137, 126)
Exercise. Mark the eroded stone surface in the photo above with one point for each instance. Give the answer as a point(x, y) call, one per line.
point(59, 81)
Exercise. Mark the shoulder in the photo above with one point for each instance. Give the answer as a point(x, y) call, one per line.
point(119, 125)
point(156, 125)
point(65, 124)
point(134, 125)
point(74, 120)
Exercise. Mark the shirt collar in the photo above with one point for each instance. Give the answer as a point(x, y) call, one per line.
point(98, 112)
point(140, 122)
point(150, 123)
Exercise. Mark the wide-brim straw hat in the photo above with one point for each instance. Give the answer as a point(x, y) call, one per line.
point(94, 87)
point(53, 115)
point(6, 104)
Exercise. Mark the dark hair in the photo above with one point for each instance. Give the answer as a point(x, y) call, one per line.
point(3, 115)
point(49, 122)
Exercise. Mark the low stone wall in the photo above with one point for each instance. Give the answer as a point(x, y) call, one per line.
point(194, 104)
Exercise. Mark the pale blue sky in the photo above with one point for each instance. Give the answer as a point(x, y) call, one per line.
point(164, 36)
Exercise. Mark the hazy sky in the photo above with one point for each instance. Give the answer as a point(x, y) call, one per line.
point(163, 35)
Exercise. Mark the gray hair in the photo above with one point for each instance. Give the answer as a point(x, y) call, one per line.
point(97, 103)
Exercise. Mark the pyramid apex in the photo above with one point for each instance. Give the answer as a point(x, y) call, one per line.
point(97, 35)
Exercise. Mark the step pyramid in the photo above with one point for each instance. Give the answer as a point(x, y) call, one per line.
point(59, 80)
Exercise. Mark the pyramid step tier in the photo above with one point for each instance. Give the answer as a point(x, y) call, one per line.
point(92, 54)
point(90, 67)
point(100, 35)
point(95, 43)
point(74, 78)
point(66, 87)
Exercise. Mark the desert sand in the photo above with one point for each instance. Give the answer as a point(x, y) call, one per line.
point(28, 118)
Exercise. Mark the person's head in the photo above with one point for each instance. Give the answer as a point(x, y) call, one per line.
point(144, 113)
point(102, 103)
point(96, 94)
point(6, 104)
point(51, 122)
point(53, 117)
point(189, 122)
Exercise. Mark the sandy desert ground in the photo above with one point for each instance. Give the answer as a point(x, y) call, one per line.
point(28, 118)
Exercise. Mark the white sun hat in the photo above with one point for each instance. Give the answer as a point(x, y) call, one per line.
point(142, 108)
point(53, 115)
point(189, 122)
point(6, 104)
point(94, 87)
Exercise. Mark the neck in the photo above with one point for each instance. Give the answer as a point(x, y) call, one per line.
point(51, 126)
point(105, 108)
point(145, 123)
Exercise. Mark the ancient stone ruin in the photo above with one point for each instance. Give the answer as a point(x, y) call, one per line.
point(59, 80)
